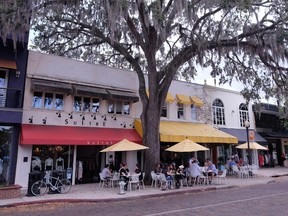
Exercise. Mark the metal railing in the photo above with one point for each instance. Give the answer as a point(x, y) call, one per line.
point(10, 98)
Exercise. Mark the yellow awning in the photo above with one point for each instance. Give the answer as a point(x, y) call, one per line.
point(200, 133)
point(8, 64)
point(183, 99)
point(169, 97)
point(196, 101)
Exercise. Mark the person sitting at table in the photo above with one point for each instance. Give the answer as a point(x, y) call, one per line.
point(124, 175)
point(168, 172)
point(138, 171)
point(211, 171)
point(240, 162)
point(106, 174)
point(179, 175)
point(194, 170)
point(231, 163)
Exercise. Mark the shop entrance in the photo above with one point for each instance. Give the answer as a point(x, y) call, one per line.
point(88, 164)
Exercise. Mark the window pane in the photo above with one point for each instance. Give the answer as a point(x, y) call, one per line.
point(193, 112)
point(118, 107)
point(164, 110)
point(59, 102)
point(95, 105)
point(86, 104)
point(180, 113)
point(77, 103)
point(48, 101)
point(126, 108)
point(110, 106)
point(37, 100)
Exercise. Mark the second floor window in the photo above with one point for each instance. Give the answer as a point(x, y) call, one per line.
point(86, 104)
point(118, 107)
point(243, 114)
point(218, 112)
point(180, 111)
point(164, 110)
point(50, 101)
point(193, 112)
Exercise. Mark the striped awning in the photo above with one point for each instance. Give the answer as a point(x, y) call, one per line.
point(199, 133)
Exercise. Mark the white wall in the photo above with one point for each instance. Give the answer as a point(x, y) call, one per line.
point(231, 100)
point(23, 168)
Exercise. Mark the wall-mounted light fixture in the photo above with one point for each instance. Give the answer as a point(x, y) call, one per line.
point(83, 116)
point(123, 124)
point(104, 117)
point(94, 116)
point(70, 115)
point(17, 73)
point(58, 114)
point(31, 120)
point(44, 120)
point(114, 117)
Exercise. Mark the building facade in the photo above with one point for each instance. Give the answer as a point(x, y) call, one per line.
point(12, 84)
point(72, 110)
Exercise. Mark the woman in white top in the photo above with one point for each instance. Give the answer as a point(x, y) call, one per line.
point(194, 169)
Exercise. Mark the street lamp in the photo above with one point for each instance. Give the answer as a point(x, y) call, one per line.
point(247, 125)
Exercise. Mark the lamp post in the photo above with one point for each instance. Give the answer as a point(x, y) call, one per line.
point(247, 125)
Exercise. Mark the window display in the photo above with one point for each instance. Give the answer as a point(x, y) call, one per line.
point(51, 157)
point(5, 145)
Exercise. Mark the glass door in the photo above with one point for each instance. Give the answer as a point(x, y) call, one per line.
point(3, 87)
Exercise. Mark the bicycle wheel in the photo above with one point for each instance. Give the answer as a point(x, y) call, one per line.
point(39, 188)
point(64, 186)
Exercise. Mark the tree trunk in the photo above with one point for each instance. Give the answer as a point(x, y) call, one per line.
point(150, 118)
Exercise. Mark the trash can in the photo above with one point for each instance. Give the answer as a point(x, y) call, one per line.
point(55, 174)
point(33, 177)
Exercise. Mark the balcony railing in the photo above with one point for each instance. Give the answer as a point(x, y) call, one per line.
point(10, 98)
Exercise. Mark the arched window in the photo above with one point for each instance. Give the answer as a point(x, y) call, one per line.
point(243, 114)
point(218, 112)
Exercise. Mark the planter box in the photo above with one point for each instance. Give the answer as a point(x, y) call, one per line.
point(10, 192)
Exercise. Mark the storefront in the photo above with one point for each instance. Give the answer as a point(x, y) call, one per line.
point(241, 135)
point(74, 151)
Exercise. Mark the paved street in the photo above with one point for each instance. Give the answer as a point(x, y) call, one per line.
point(264, 199)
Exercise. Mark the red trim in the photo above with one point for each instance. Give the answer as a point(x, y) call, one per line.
point(67, 135)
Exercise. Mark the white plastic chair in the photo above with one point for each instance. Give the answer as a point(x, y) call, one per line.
point(115, 178)
point(154, 179)
point(236, 171)
point(134, 179)
point(244, 172)
point(222, 178)
point(164, 183)
point(102, 180)
point(255, 170)
point(142, 181)
point(184, 180)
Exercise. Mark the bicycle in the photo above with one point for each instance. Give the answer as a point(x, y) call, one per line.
point(40, 188)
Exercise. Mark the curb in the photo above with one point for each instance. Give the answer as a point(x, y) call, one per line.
point(119, 199)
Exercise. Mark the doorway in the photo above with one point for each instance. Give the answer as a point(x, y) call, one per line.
point(88, 164)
